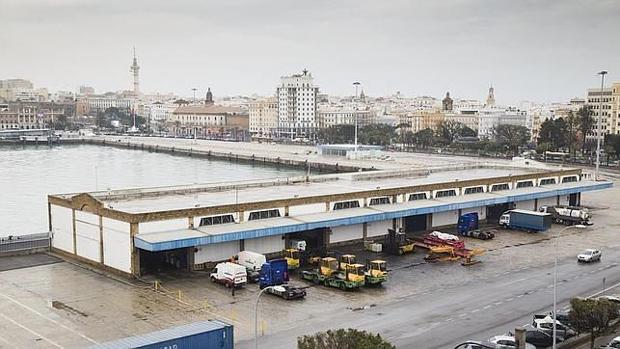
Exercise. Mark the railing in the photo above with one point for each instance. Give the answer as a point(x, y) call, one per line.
point(24, 243)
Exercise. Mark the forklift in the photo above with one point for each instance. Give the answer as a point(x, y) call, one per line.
point(292, 258)
point(397, 242)
point(347, 259)
point(376, 272)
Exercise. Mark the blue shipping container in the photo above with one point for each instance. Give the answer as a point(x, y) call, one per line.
point(211, 334)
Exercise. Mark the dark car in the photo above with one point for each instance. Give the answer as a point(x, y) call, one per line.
point(476, 345)
point(539, 339)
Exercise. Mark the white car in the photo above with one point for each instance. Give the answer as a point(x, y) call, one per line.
point(589, 255)
point(614, 344)
point(507, 342)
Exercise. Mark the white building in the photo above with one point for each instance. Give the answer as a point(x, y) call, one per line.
point(101, 103)
point(610, 113)
point(490, 118)
point(158, 114)
point(344, 115)
point(297, 106)
point(263, 118)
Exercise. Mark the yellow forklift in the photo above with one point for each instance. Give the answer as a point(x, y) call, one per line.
point(347, 259)
point(352, 277)
point(292, 256)
point(376, 272)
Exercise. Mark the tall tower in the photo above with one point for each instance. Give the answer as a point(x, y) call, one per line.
point(135, 72)
point(491, 97)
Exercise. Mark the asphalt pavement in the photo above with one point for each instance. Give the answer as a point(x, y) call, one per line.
point(477, 310)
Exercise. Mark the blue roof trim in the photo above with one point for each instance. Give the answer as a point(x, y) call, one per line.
point(373, 217)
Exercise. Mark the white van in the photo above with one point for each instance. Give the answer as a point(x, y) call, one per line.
point(229, 274)
point(251, 260)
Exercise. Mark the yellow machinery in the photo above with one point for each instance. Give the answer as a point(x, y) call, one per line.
point(292, 258)
point(376, 272)
point(449, 253)
point(329, 266)
point(347, 259)
point(355, 273)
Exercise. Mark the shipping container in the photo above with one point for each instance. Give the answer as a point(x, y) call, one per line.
point(211, 334)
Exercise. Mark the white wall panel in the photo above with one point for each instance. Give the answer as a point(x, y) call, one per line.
point(525, 205)
point(445, 218)
point(550, 201)
point(216, 252)
point(306, 209)
point(482, 212)
point(346, 232)
point(167, 225)
point(62, 228)
point(378, 228)
point(87, 231)
point(116, 245)
point(268, 244)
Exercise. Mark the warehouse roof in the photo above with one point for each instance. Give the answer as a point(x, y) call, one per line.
point(166, 240)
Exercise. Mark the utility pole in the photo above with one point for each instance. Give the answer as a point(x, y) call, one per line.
point(194, 89)
point(598, 126)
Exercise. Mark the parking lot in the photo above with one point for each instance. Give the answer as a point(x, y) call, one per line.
point(65, 305)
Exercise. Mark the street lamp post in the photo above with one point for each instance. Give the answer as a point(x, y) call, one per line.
point(598, 126)
point(260, 293)
point(555, 279)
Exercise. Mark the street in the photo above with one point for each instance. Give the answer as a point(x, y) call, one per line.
point(476, 310)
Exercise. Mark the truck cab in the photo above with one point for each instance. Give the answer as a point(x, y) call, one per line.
point(356, 273)
point(504, 219)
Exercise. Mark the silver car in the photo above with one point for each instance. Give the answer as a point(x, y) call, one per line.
point(589, 255)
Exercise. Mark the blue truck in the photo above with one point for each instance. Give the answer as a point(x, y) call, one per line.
point(274, 277)
point(468, 226)
point(526, 220)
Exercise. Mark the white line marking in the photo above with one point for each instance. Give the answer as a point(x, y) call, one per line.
point(48, 318)
point(475, 311)
point(487, 306)
point(509, 299)
point(31, 331)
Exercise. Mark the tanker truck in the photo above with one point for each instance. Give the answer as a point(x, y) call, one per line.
point(568, 215)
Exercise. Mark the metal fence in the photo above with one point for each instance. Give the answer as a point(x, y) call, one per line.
point(24, 243)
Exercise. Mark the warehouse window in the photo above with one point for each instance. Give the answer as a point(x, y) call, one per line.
point(547, 181)
point(379, 201)
point(445, 193)
point(474, 190)
point(569, 179)
point(264, 214)
point(417, 196)
point(525, 184)
point(346, 204)
point(214, 220)
point(499, 187)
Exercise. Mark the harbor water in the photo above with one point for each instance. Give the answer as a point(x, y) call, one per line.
point(29, 173)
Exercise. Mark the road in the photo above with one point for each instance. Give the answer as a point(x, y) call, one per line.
point(443, 318)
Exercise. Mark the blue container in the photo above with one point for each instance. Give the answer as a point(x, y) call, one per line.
point(212, 334)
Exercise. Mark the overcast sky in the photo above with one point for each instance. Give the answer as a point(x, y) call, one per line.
point(529, 50)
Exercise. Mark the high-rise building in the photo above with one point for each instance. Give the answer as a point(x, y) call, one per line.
point(135, 72)
point(297, 106)
point(610, 113)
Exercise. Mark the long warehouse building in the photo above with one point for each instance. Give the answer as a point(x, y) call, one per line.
point(137, 231)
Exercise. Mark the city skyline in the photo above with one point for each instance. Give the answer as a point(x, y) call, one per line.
point(421, 49)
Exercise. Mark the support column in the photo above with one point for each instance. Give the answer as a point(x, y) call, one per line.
point(190, 258)
point(558, 200)
point(286, 210)
point(135, 253)
point(429, 221)
point(326, 237)
point(101, 256)
point(242, 245)
point(190, 222)
point(535, 204)
point(364, 231)
point(578, 199)
point(49, 217)
point(74, 228)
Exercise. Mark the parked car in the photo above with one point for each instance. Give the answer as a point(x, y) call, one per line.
point(546, 325)
point(287, 291)
point(589, 255)
point(475, 345)
point(614, 344)
point(507, 342)
point(539, 339)
point(613, 299)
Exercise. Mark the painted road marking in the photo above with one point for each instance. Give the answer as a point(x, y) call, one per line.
point(48, 318)
point(487, 306)
point(38, 335)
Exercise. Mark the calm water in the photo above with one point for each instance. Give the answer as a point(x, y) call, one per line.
point(29, 174)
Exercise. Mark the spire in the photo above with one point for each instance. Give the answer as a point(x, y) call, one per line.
point(491, 96)
point(135, 72)
point(209, 97)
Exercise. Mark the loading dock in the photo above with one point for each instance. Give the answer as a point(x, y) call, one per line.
point(495, 211)
point(159, 261)
point(416, 223)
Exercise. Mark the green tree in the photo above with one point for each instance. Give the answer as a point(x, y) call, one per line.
point(338, 134)
point(343, 339)
point(553, 132)
point(424, 138)
point(613, 142)
point(586, 122)
point(572, 127)
point(449, 131)
point(376, 134)
point(592, 315)
point(511, 136)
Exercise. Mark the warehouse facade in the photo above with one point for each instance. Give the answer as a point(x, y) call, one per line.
point(134, 231)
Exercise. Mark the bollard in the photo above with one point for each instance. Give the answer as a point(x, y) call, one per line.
point(520, 337)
